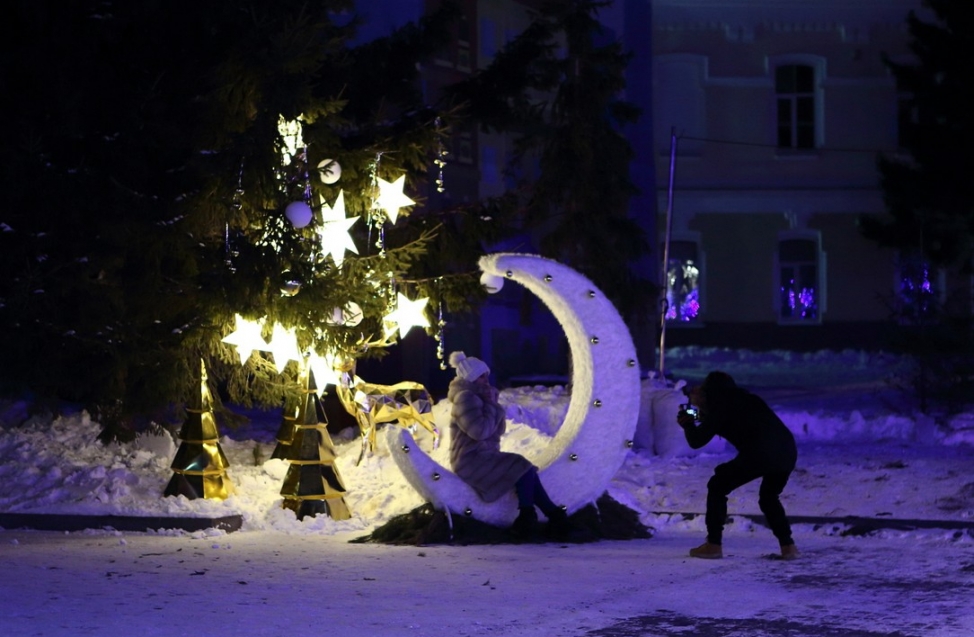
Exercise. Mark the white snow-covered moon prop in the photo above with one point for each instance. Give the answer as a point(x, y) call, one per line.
point(597, 433)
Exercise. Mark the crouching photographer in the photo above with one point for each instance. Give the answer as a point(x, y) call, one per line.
point(765, 449)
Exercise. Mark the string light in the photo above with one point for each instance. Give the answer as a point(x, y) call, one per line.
point(441, 153)
point(440, 338)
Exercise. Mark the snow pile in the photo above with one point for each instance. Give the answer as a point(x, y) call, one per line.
point(863, 461)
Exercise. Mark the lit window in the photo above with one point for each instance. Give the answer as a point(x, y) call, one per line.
point(918, 290)
point(795, 99)
point(683, 274)
point(801, 277)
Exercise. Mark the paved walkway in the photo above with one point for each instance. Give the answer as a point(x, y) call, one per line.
point(259, 584)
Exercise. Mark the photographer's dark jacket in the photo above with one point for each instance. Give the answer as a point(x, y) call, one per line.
point(745, 421)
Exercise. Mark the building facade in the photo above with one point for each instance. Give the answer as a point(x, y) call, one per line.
point(756, 154)
point(768, 119)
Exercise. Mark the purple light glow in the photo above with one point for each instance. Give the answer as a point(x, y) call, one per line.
point(799, 303)
point(917, 293)
point(683, 297)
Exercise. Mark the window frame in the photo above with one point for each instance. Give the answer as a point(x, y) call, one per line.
point(817, 94)
point(701, 264)
point(937, 277)
point(821, 277)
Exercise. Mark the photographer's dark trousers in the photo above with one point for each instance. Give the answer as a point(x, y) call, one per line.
point(737, 473)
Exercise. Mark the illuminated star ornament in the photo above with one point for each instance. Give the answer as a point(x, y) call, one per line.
point(407, 315)
point(323, 368)
point(246, 338)
point(284, 347)
point(391, 197)
point(335, 238)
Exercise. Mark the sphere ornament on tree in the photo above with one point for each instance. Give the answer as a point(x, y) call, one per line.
point(349, 316)
point(299, 214)
point(290, 284)
point(329, 170)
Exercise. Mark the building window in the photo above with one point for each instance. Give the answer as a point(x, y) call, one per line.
point(918, 291)
point(795, 98)
point(801, 279)
point(684, 268)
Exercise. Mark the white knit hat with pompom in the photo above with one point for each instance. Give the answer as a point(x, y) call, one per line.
point(468, 367)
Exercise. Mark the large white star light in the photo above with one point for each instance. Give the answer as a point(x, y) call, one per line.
point(391, 197)
point(335, 238)
point(323, 369)
point(407, 315)
point(284, 347)
point(246, 338)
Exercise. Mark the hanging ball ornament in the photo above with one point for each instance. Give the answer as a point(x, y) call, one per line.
point(329, 170)
point(491, 282)
point(352, 314)
point(348, 316)
point(291, 284)
point(298, 213)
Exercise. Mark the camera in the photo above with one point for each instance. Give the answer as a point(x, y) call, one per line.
point(691, 410)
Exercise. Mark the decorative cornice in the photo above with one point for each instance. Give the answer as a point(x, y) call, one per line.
point(738, 20)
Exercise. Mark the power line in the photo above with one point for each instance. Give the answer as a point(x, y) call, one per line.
point(760, 145)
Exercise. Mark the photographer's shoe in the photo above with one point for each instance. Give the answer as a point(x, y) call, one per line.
point(789, 552)
point(708, 551)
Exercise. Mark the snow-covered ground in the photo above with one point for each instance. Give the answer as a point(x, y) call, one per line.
point(862, 452)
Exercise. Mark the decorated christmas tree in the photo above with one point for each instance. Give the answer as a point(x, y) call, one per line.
point(237, 182)
point(231, 181)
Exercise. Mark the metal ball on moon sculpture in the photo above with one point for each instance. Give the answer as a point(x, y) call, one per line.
point(597, 433)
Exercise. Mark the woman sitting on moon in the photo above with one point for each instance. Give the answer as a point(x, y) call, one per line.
point(477, 422)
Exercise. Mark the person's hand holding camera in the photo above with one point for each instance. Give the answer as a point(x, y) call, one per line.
point(688, 416)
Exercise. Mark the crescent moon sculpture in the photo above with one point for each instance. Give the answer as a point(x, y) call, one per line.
point(599, 425)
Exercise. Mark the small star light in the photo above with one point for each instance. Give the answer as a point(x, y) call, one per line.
point(335, 238)
point(407, 315)
point(284, 347)
point(323, 368)
point(391, 197)
point(336, 212)
point(246, 338)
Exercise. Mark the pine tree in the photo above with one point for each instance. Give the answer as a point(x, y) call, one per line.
point(930, 200)
point(930, 195)
point(557, 88)
point(147, 180)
